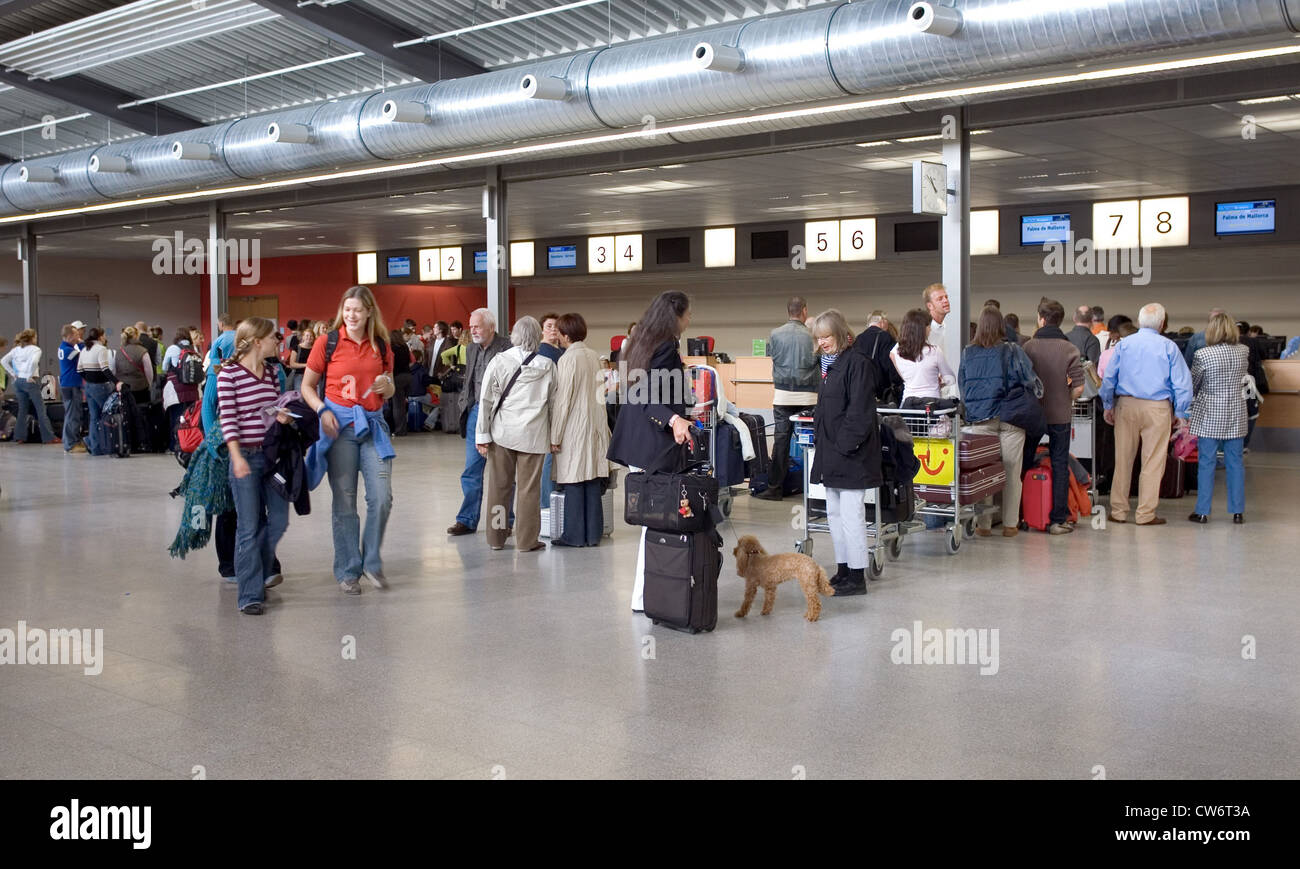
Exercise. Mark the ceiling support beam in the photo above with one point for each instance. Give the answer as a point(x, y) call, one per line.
point(101, 99)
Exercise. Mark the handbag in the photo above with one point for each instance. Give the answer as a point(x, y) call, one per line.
point(1019, 406)
point(671, 503)
point(1091, 382)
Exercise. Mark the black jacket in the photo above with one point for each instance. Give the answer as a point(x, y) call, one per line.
point(642, 436)
point(285, 448)
point(875, 344)
point(847, 434)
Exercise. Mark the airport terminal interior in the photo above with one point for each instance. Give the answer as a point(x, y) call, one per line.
point(171, 163)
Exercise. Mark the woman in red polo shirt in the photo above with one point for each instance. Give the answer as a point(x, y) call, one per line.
point(356, 365)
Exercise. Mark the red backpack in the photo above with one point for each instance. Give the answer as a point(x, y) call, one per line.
point(189, 433)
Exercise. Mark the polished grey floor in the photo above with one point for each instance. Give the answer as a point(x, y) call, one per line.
point(1119, 650)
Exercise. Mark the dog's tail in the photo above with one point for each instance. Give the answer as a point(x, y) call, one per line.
point(824, 583)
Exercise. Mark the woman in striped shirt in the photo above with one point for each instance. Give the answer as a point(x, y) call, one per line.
point(246, 388)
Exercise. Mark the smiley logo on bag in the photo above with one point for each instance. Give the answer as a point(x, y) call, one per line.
point(925, 463)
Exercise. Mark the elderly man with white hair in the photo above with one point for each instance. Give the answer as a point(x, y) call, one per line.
point(513, 433)
point(485, 345)
point(1147, 384)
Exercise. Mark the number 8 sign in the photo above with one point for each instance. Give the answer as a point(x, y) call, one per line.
point(1164, 222)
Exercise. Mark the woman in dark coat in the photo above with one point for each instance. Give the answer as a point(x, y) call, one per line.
point(847, 438)
point(653, 423)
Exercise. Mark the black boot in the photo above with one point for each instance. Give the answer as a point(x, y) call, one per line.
point(841, 575)
point(855, 584)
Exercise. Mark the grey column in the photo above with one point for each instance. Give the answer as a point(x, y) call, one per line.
point(218, 268)
point(956, 243)
point(498, 248)
point(27, 254)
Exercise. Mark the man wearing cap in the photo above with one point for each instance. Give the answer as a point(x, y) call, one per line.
point(71, 387)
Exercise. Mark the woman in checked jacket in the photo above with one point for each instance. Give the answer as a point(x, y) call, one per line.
point(1218, 417)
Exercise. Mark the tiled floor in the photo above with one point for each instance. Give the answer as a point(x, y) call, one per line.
point(1119, 648)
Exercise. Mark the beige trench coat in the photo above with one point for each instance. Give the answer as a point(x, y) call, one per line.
point(578, 421)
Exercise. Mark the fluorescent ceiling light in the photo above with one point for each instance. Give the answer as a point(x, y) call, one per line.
point(640, 135)
point(875, 144)
point(49, 124)
point(511, 20)
point(921, 138)
point(1259, 101)
point(243, 80)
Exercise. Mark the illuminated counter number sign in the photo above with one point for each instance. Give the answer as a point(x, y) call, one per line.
point(821, 240)
point(1115, 224)
point(858, 239)
point(1164, 222)
point(627, 253)
point(600, 254)
point(440, 264)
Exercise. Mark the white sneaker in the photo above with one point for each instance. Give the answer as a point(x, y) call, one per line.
point(273, 581)
point(377, 579)
point(350, 586)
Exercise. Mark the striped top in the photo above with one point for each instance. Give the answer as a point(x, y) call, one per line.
point(241, 400)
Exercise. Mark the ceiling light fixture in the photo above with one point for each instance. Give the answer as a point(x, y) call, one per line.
point(488, 24)
point(875, 144)
point(76, 117)
point(243, 80)
point(642, 134)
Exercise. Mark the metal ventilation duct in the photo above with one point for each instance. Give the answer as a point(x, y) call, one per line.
point(829, 52)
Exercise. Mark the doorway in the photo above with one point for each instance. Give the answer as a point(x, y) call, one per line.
point(243, 307)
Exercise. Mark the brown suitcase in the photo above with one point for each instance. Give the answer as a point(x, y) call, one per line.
point(973, 486)
point(1174, 482)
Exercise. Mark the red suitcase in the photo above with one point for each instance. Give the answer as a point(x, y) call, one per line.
point(979, 451)
point(973, 486)
point(1036, 498)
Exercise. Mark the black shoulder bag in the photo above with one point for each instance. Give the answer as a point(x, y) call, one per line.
point(1019, 407)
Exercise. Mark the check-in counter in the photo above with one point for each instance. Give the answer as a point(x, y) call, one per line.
point(1281, 407)
point(747, 382)
point(1278, 427)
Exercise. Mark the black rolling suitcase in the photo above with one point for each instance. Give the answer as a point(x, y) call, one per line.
point(116, 427)
point(681, 579)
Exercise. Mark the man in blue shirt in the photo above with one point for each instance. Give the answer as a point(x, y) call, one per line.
point(1147, 383)
point(71, 387)
point(551, 349)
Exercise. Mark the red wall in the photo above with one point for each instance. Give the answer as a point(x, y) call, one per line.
point(310, 286)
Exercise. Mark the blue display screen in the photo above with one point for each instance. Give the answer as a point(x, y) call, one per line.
point(1245, 218)
point(399, 266)
point(562, 256)
point(480, 261)
point(1040, 229)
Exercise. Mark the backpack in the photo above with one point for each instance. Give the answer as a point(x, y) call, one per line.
point(190, 368)
point(189, 432)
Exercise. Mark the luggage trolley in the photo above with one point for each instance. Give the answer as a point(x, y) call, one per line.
point(705, 388)
point(883, 539)
point(936, 437)
point(1083, 439)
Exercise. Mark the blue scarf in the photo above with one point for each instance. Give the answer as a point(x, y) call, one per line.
point(363, 422)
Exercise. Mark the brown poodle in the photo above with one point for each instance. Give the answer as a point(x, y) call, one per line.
point(758, 568)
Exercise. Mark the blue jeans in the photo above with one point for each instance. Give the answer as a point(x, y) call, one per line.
point(356, 547)
point(263, 517)
point(96, 395)
point(30, 394)
point(72, 396)
point(1207, 449)
point(471, 479)
point(548, 485)
point(1058, 447)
